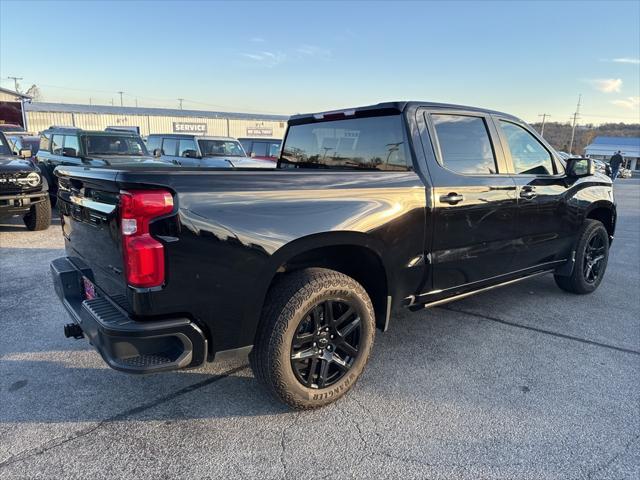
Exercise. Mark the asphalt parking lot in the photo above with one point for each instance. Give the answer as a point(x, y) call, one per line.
point(523, 382)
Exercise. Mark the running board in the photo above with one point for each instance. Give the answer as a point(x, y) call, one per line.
point(474, 292)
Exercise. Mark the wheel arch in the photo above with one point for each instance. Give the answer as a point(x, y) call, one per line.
point(605, 212)
point(355, 254)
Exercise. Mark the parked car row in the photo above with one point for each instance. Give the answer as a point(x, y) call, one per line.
point(40, 155)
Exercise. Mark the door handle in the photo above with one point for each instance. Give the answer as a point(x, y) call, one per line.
point(528, 192)
point(452, 198)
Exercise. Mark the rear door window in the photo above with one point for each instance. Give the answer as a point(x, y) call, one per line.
point(465, 145)
point(528, 155)
point(45, 141)
point(169, 146)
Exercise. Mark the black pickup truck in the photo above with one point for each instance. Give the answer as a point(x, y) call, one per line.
point(396, 205)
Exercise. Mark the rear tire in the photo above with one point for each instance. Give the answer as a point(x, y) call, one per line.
point(314, 338)
point(39, 216)
point(592, 255)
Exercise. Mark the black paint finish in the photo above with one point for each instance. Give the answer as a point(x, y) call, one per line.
point(233, 232)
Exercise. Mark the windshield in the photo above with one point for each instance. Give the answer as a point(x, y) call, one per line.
point(115, 145)
point(221, 148)
point(373, 143)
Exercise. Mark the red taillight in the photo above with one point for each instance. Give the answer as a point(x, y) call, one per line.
point(143, 254)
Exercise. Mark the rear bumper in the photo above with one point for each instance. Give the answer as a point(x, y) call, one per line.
point(16, 203)
point(126, 344)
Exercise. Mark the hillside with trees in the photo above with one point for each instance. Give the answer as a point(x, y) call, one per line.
point(559, 134)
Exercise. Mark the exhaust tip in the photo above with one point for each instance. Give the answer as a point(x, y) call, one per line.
point(73, 330)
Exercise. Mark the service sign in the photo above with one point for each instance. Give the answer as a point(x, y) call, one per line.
point(259, 132)
point(189, 127)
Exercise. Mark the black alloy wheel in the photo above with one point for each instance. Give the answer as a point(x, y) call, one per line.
point(593, 257)
point(326, 343)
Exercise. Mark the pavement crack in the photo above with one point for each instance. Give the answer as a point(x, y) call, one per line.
point(283, 444)
point(57, 442)
point(542, 330)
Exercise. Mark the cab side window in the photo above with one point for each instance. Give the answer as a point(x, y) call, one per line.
point(528, 154)
point(260, 149)
point(153, 143)
point(56, 144)
point(465, 146)
point(71, 141)
point(169, 146)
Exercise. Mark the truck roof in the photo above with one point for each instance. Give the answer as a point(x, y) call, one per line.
point(386, 108)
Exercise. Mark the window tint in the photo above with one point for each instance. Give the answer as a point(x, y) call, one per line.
point(153, 143)
point(71, 141)
point(527, 153)
point(45, 141)
point(56, 142)
point(260, 149)
point(223, 148)
point(374, 143)
point(169, 146)
point(187, 145)
point(464, 144)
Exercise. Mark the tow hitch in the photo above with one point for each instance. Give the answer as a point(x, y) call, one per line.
point(73, 330)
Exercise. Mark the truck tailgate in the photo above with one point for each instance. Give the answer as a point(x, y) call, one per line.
point(88, 205)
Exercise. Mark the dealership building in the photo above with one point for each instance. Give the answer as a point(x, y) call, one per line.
point(41, 115)
point(603, 147)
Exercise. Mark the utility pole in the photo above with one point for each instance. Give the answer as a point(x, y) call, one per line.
point(136, 102)
point(15, 82)
point(573, 128)
point(121, 104)
point(544, 118)
point(180, 100)
point(90, 101)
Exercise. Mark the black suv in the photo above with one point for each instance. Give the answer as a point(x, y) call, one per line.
point(72, 146)
point(23, 191)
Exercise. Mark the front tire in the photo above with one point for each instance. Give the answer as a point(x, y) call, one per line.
point(592, 255)
point(314, 339)
point(39, 216)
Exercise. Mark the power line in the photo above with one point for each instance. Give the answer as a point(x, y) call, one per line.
point(15, 82)
point(573, 127)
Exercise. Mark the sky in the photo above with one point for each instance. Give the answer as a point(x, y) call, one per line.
point(524, 58)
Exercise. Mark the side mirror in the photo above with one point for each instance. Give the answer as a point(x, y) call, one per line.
point(25, 152)
point(157, 152)
point(69, 152)
point(580, 167)
point(190, 154)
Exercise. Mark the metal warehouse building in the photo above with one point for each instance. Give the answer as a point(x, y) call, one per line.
point(41, 115)
point(603, 147)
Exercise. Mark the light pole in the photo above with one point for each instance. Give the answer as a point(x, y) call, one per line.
point(180, 100)
point(121, 103)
